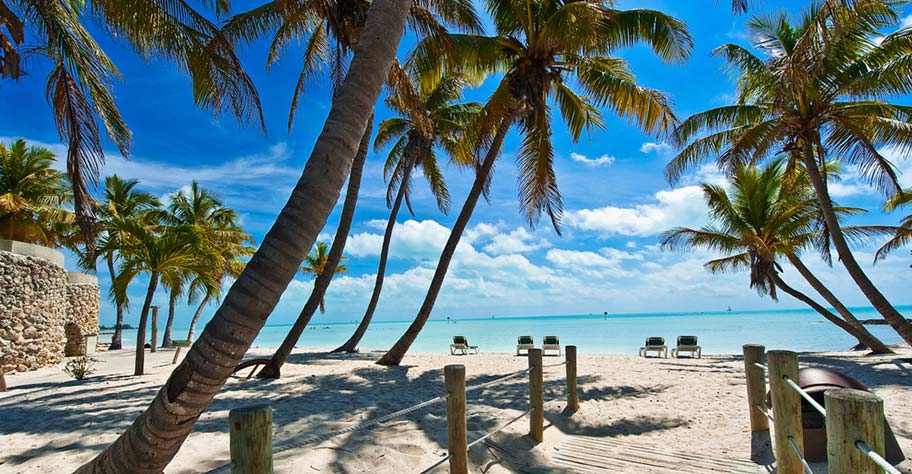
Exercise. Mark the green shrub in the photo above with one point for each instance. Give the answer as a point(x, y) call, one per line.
point(80, 367)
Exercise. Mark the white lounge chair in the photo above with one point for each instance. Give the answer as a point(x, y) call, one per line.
point(551, 343)
point(524, 343)
point(687, 344)
point(462, 345)
point(654, 344)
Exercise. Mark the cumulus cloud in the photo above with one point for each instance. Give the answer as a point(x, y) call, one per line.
point(604, 160)
point(660, 149)
point(670, 208)
point(517, 241)
point(411, 240)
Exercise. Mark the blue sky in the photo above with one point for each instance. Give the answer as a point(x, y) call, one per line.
point(616, 198)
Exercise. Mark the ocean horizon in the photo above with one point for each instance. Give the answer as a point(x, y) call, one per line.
point(719, 332)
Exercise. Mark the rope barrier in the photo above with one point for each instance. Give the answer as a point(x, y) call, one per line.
point(804, 395)
point(554, 365)
point(764, 367)
point(883, 463)
point(497, 381)
point(763, 410)
point(807, 467)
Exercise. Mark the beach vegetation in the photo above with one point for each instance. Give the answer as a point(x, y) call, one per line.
point(817, 87)
point(80, 368)
point(543, 49)
point(769, 215)
point(903, 233)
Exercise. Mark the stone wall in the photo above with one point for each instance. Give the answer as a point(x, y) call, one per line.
point(33, 305)
point(37, 300)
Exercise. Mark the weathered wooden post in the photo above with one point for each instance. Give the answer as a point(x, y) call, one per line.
point(756, 386)
point(786, 411)
point(536, 396)
point(572, 393)
point(852, 416)
point(2, 381)
point(154, 328)
point(250, 440)
point(454, 377)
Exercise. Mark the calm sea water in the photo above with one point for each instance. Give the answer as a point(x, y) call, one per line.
point(719, 333)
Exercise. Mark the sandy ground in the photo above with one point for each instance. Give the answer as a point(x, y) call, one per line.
point(50, 423)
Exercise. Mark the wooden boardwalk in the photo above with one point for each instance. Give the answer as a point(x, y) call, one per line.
point(582, 454)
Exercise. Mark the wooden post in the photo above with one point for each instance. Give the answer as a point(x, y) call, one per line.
point(251, 440)
point(454, 377)
point(853, 415)
point(756, 386)
point(786, 411)
point(154, 328)
point(572, 393)
point(536, 396)
point(176, 355)
point(2, 381)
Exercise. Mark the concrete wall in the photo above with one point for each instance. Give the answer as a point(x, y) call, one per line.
point(37, 299)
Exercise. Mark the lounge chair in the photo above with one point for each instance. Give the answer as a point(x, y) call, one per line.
point(551, 343)
point(654, 344)
point(462, 345)
point(524, 343)
point(687, 344)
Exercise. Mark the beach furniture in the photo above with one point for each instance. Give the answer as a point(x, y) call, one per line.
point(524, 343)
point(551, 343)
point(654, 344)
point(462, 345)
point(687, 344)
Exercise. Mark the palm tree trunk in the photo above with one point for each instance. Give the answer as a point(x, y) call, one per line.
point(143, 320)
point(196, 316)
point(153, 439)
point(322, 281)
point(852, 330)
point(351, 345)
point(877, 299)
point(166, 338)
point(874, 344)
point(395, 355)
point(117, 338)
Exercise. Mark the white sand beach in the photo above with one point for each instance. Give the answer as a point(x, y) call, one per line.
point(51, 423)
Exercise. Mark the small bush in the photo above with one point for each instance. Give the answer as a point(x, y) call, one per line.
point(81, 367)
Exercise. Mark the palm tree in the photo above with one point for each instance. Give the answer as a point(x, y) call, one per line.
point(200, 211)
point(818, 94)
point(427, 118)
point(205, 290)
point(541, 48)
point(315, 263)
point(81, 74)
point(33, 196)
point(769, 215)
point(121, 202)
point(153, 439)
point(903, 234)
point(162, 254)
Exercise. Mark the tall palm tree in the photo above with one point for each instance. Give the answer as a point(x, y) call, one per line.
point(81, 74)
point(204, 290)
point(818, 92)
point(323, 267)
point(315, 264)
point(160, 254)
point(121, 201)
point(770, 215)
point(542, 47)
point(903, 234)
point(33, 196)
point(149, 444)
point(203, 213)
point(428, 118)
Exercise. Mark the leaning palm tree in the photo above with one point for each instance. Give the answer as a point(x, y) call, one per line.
point(771, 214)
point(428, 118)
point(203, 213)
point(164, 253)
point(542, 48)
point(121, 201)
point(33, 196)
point(203, 290)
point(819, 93)
point(81, 77)
point(149, 444)
point(902, 235)
point(315, 264)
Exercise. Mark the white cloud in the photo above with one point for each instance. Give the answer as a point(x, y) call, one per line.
point(604, 160)
point(517, 241)
point(411, 240)
point(676, 207)
point(660, 149)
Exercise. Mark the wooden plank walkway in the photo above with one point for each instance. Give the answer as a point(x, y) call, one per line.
point(582, 454)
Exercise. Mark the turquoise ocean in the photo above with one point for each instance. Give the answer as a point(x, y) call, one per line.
point(719, 332)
